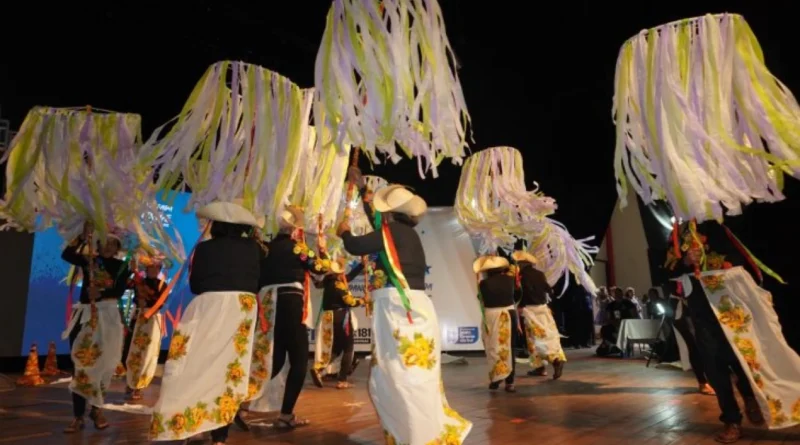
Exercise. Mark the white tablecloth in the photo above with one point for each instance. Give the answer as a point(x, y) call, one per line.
point(636, 330)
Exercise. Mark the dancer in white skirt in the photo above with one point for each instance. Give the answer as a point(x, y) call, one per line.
point(544, 341)
point(336, 325)
point(500, 320)
point(284, 319)
point(405, 373)
point(142, 358)
point(205, 377)
point(95, 329)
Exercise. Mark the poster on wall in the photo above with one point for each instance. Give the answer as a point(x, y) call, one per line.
point(449, 282)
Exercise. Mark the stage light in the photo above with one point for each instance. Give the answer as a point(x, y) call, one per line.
point(659, 309)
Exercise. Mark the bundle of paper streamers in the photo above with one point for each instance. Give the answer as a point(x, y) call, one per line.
point(240, 135)
point(492, 202)
point(701, 122)
point(69, 166)
point(316, 188)
point(558, 254)
point(385, 74)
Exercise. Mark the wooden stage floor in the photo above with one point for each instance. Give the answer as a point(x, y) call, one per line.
point(597, 402)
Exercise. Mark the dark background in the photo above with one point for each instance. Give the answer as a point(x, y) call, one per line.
point(536, 76)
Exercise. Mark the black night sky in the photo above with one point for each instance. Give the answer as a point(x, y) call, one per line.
point(536, 76)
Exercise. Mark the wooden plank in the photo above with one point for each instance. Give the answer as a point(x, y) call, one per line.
point(597, 402)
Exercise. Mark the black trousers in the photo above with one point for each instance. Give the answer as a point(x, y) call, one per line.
point(720, 361)
point(78, 402)
point(291, 337)
point(685, 327)
point(343, 342)
point(126, 348)
point(220, 434)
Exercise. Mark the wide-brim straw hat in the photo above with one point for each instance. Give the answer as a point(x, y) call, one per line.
point(398, 199)
point(489, 262)
point(292, 217)
point(228, 212)
point(521, 255)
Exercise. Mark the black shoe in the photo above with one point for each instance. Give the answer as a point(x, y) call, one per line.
point(494, 386)
point(558, 369)
point(239, 421)
point(317, 378)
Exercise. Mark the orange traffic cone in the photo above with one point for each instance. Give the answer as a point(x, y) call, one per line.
point(50, 363)
point(31, 377)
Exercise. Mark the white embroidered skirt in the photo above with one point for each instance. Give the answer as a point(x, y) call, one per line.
point(751, 325)
point(96, 352)
point(541, 332)
point(497, 342)
point(405, 373)
point(145, 345)
point(205, 377)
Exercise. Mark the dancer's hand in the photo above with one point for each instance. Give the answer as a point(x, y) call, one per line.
point(344, 226)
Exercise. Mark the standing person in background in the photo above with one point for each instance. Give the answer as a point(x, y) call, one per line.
point(602, 299)
point(95, 329)
point(496, 294)
point(630, 295)
point(205, 376)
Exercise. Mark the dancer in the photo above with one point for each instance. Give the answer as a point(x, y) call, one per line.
point(285, 312)
point(405, 377)
point(95, 328)
point(714, 346)
point(500, 321)
point(142, 359)
point(205, 377)
point(336, 324)
point(544, 341)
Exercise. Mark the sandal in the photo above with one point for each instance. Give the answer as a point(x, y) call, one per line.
point(291, 423)
point(730, 434)
point(136, 394)
point(538, 372)
point(494, 386)
point(511, 388)
point(76, 425)
point(707, 390)
point(100, 422)
point(344, 385)
point(240, 422)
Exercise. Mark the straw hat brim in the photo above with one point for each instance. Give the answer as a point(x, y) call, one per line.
point(398, 199)
point(489, 262)
point(228, 212)
point(521, 255)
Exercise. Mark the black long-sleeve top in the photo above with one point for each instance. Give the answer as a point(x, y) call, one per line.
point(498, 290)
point(720, 252)
point(336, 292)
point(110, 274)
point(148, 290)
point(288, 261)
point(533, 288)
point(409, 250)
point(225, 264)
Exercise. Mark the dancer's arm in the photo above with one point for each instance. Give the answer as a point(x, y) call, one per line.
point(72, 255)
